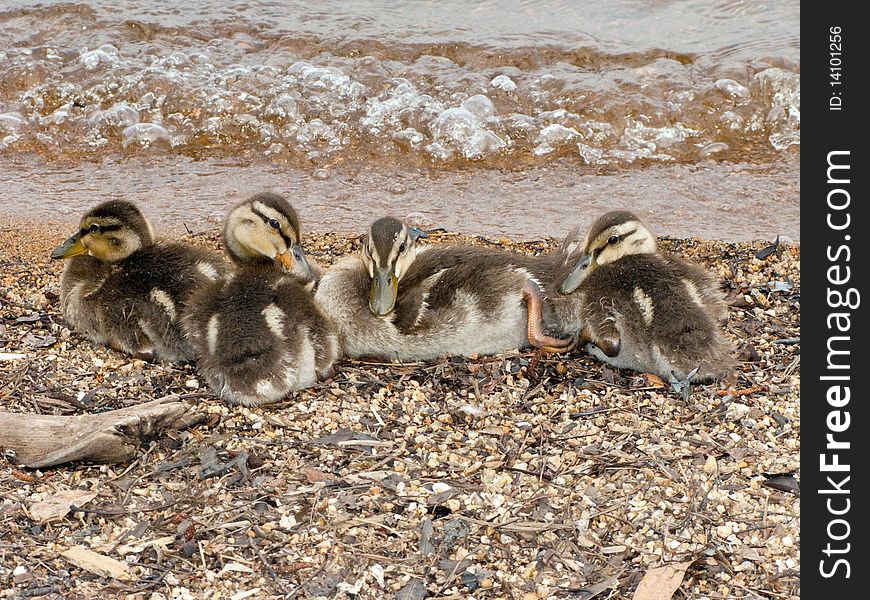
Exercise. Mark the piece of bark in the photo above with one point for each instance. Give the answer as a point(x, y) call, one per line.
point(99, 564)
point(39, 441)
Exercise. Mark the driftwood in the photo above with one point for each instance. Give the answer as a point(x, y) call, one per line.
point(38, 441)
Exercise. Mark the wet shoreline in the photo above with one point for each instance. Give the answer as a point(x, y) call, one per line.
point(713, 200)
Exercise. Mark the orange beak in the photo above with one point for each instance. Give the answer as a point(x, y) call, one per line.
point(285, 259)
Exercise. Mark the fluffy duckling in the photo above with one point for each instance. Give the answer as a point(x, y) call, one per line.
point(258, 334)
point(122, 288)
point(643, 310)
point(407, 301)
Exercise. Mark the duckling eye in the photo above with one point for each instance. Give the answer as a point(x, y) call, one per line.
point(612, 239)
point(274, 224)
point(401, 247)
point(94, 228)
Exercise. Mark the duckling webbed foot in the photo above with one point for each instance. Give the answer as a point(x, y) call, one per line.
point(536, 326)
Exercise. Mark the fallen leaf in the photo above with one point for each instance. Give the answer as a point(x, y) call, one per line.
point(313, 475)
point(40, 341)
point(767, 250)
point(413, 590)
point(325, 584)
point(426, 530)
point(662, 582)
point(784, 482)
point(211, 466)
point(653, 380)
point(742, 391)
point(59, 504)
point(451, 567)
point(738, 299)
point(22, 476)
point(737, 453)
point(342, 435)
point(235, 567)
point(749, 353)
point(587, 593)
point(98, 564)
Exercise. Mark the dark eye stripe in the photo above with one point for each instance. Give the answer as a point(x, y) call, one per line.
point(266, 219)
point(619, 238)
point(100, 228)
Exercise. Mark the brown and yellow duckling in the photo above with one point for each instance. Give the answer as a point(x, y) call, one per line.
point(123, 288)
point(645, 310)
point(257, 334)
point(403, 300)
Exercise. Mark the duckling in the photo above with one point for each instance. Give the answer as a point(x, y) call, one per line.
point(407, 301)
point(644, 310)
point(122, 288)
point(258, 334)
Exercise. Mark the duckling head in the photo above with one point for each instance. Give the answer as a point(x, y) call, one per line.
point(612, 236)
point(111, 231)
point(265, 229)
point(388, 250)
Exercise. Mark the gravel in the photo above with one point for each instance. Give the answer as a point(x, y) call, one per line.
point(513, 476)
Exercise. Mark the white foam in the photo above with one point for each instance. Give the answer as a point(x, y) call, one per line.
point(144, 134)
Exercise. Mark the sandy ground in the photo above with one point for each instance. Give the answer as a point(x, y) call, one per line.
point(515, 476)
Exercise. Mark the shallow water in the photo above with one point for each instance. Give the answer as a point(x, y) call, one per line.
point(496, 117)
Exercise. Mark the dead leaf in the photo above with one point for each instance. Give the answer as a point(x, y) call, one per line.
point(235, 567)
point(785, 482)
point(40, 341)
point(58, 505)
point(738, 299)
point(767, 250)
point(413, 590)
point(313, 475)
point(742, 391)
point(749, 354)
point(22, 476)
point(737, 453)
point(662, 582)
point(426, 531)
point(653, 380)
point(587, 593)
point(98, 564)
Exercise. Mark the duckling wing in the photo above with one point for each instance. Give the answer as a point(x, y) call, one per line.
point(700, 285)
point(80, 284)
point(148, 294)
point(444, 285)
point(242, 333)
point(660, 313)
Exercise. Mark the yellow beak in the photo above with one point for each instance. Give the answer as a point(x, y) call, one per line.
point(72, 247)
